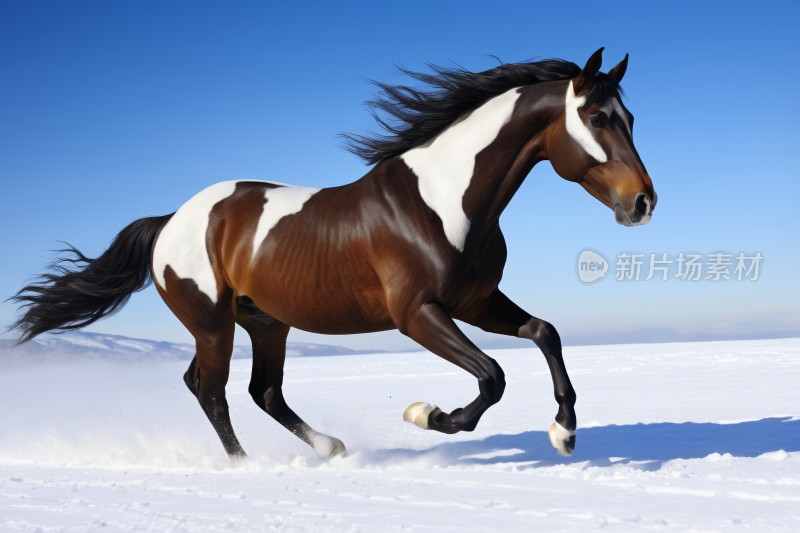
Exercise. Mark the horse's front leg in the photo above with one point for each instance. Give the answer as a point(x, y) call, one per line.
point(433, 328)
point(498, 314)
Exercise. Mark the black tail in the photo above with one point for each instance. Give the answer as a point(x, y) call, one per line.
point(66, 298)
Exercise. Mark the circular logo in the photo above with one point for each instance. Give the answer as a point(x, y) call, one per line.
point(591, 266)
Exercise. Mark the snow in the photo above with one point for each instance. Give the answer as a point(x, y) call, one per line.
point(683, 437)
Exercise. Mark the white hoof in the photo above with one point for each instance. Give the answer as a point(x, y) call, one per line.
point(328, 447)
point(563, 440)
point(419, 413)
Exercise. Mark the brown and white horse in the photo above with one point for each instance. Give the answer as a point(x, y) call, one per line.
point(412, 245)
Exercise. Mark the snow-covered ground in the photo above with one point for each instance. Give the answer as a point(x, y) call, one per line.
point(685, 437)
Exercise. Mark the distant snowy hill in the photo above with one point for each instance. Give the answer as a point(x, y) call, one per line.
point(85, 345)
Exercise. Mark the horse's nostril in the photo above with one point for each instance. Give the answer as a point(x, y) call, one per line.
point(642, 204)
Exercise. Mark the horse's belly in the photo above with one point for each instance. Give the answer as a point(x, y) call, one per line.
point(315, 288)
point(329, 310)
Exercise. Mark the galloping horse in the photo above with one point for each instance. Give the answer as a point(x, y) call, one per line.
point(412, 245)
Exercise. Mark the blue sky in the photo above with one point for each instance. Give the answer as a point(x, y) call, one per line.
point(114, 111)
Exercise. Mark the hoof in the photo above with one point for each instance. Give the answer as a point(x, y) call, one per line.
point(239, 460)
point(420, 413)
point(563, 440)
point(328, 447)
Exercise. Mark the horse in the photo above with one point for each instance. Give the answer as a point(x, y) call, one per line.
point(413, 245)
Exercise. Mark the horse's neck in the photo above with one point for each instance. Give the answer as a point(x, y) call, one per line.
point(445, 166)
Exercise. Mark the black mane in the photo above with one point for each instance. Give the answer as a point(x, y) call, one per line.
point(416, 116)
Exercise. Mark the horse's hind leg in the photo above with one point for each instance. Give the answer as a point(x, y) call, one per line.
point(212, 326)
point(268, 337)
point(207, 382)
point(207, 376)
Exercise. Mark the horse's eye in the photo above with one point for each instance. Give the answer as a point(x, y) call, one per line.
point(596, 122)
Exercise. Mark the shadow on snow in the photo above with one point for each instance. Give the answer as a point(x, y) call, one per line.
point(653, 443)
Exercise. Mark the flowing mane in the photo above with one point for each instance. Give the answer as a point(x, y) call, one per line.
point(416, 116)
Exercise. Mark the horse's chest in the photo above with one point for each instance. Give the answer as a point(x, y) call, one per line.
point(471, 284)
point(477, 278)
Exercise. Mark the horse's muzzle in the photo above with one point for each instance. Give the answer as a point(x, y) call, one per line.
point(641, 214)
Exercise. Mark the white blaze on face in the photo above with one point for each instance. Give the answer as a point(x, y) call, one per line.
point(281, 202)
point(578, 130)
point(445, 165)
point(182, 243)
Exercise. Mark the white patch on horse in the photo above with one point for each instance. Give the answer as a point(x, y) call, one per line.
point(281, 202)
point(182, 243)
point(444, 166)
point(578, 130)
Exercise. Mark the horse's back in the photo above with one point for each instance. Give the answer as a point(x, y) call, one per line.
point(315, 268)
point(288, 248)
point(186, 245)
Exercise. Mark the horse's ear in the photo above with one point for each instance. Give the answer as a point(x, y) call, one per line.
point(592, 67)
point(618, 72)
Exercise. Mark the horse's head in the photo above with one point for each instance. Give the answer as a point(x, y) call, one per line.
point(593, 144)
